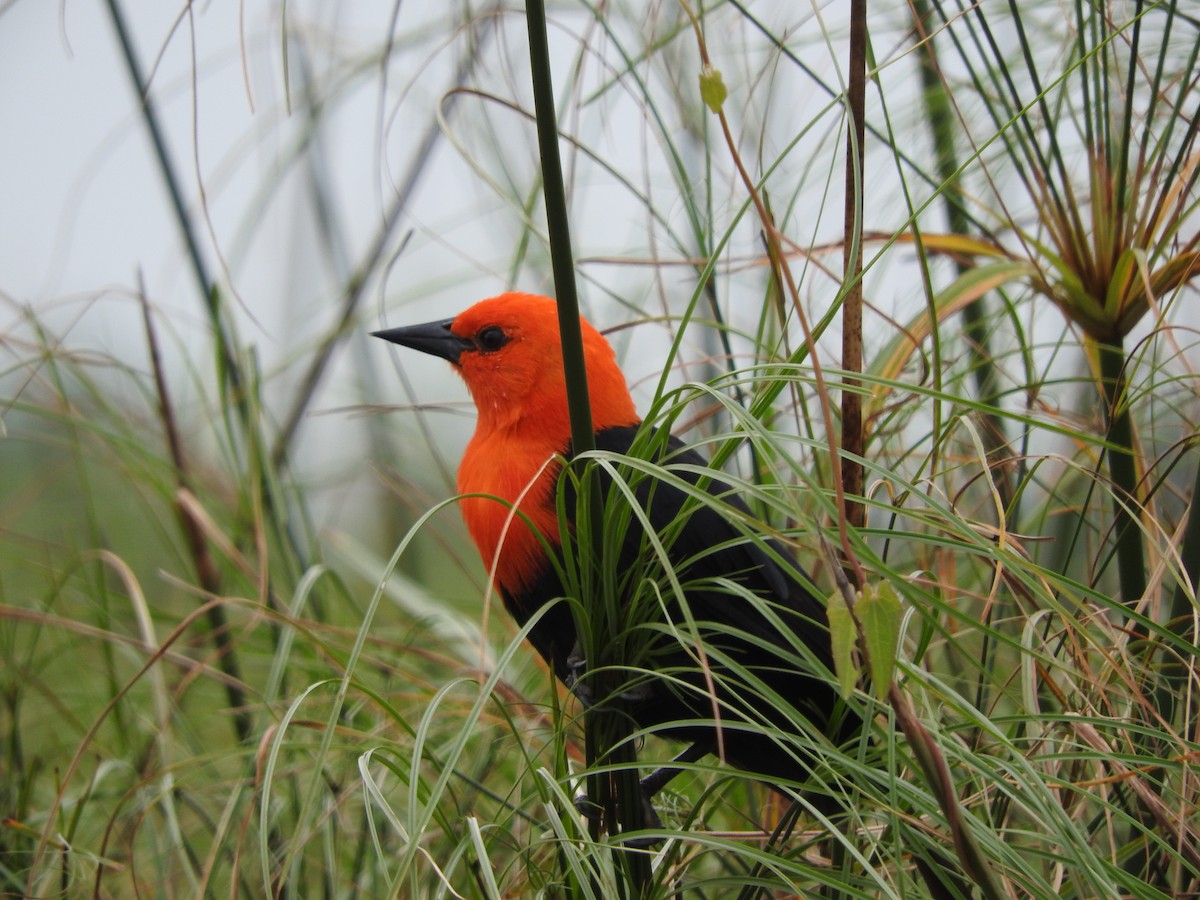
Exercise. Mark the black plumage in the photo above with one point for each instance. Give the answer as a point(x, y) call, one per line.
point(758, 621)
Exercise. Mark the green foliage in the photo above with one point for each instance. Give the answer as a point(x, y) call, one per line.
point(211, 685)
point(879, 610)
point(844, 635)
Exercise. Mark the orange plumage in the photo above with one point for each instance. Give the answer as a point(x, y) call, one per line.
point(521, 395)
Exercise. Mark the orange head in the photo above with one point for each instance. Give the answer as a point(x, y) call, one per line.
point(507, 351)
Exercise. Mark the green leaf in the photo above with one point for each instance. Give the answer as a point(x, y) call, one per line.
point(712, 88)
point(879, 611)
point(1120, 283)
point(962, 292)
point(843, 637)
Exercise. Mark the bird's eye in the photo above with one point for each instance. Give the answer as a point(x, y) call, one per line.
point(491, 339)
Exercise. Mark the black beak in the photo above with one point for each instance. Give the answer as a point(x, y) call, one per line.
point(434, 338)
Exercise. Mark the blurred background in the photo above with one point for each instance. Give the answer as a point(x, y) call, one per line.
point(207, 462)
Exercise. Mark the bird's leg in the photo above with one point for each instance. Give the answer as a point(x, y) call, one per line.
point(651, 785)
point(574, 680)
point(657, 780)
point(650, 819)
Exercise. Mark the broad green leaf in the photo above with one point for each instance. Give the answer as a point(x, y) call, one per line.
point(843, 637)
point(963, 291)
point(879, 611)
point(1121, 283)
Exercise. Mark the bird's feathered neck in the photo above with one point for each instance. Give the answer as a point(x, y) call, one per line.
point(521, 397)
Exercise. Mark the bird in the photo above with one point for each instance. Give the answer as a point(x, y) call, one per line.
point(765, 635)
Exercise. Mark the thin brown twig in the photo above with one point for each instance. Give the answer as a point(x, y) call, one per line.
point(206, 569)
point(929, 757)
point(853, 439)
point(784, 276)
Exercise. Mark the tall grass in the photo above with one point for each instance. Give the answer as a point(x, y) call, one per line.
point(213, 685)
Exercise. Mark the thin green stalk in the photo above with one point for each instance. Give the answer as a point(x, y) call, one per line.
point(602, 733)
point(558, 225)
point(1051, 136)
point(1131, 565)
point(207, 572)
point(943, 127)
point(230, 370)
point(1180, 617)
point(233, 378)
point(1127, 119)
point(356, 282)
point(914, 163)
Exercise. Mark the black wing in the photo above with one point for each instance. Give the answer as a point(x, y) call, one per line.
point(762, 631)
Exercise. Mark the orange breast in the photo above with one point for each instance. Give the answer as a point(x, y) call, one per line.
point(520, 472)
